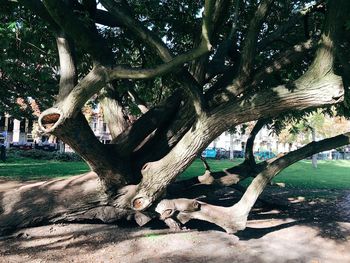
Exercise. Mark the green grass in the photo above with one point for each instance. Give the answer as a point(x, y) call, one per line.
point(328, 175)
point(29, 169)
point(197, 167)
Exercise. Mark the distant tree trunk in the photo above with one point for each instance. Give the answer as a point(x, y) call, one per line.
point(231, 147)
point(314, 156)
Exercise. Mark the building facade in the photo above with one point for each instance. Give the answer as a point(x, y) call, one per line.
point(265, 140)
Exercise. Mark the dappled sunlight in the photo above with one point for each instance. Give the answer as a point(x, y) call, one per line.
point(282, 239)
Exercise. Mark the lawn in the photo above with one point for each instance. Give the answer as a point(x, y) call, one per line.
point(329, 174)
point(29, 169)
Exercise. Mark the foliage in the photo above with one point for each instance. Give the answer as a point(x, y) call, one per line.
point(28, 64)
point(325, 125)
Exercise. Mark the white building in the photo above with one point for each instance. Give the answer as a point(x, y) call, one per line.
point(265, 140)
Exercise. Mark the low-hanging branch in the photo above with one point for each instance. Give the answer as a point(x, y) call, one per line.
point(234, 218)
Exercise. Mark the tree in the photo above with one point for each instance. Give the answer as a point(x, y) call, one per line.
point(204, 68)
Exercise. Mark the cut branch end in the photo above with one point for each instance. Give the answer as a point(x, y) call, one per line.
point(50, 119)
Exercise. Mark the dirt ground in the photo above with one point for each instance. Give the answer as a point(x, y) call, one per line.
point(300, 226)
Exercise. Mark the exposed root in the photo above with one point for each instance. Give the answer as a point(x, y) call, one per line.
point(231, 219)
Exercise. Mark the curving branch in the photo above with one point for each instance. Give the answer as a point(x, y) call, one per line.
point(144, 34)
point(122, 72)
point(234, 218)
point(305, 93)
point(51, 118)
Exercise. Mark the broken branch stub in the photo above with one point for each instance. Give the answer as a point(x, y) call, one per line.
point(50, 119)
point(140, 203)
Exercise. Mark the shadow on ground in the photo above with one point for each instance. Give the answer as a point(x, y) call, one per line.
point(285, 227)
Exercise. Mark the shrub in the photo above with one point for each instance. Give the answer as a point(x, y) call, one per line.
point(16, 154)
point(67, 157)
point(36, 154)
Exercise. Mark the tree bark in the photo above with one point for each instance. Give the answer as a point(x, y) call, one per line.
point(78, 198)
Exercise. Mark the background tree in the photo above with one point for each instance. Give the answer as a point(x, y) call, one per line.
point(205, 67)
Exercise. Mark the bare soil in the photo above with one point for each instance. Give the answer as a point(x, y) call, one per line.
point(290, 226)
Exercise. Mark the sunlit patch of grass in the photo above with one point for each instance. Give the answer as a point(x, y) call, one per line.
point(330, 174)
point(29, 169)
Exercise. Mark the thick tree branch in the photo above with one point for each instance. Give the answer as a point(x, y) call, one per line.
point(139, 132)
point(113, 113)
point(166, 137)
point(88, 86)
point(68, 69)
point(101, 159)
point(305, 93)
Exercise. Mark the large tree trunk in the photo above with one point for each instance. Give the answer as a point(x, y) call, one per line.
point(75, 199)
